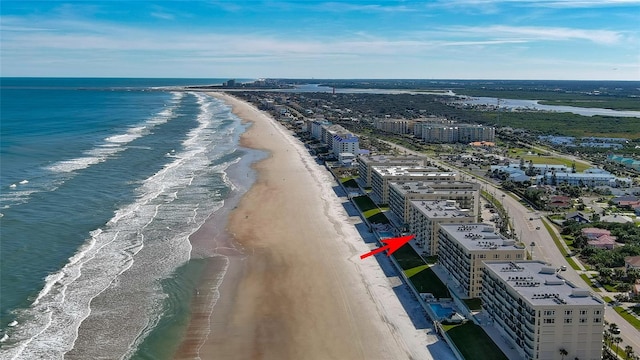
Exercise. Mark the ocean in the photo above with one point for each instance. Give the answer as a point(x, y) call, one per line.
point(102, 181)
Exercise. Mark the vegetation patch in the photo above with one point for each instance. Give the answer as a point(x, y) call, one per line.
point(364, 203)
point(631, 319)
point(410, 272)
point(552, 160)
point(474, 343)
point(407, 258)
point(431, 259)
point(473, 303)
point(349, 183)
point(379, 218)
point(589, 282)
point(426, 281)
point(369, 213)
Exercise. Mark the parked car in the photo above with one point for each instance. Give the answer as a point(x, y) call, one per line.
point(615, 331)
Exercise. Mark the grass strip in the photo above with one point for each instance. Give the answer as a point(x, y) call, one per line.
point(558, 243)
point(473, 303)
point(589, 282)
point(410, 272)
point(364, 203)
point(631, 319)
point(474, 343)
point(427, 281)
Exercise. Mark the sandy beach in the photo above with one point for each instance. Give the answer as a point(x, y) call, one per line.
point(300, 290)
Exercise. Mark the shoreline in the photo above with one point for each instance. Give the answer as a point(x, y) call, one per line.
point(300, 289)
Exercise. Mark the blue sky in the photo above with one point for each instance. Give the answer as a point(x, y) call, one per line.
point(438, 39)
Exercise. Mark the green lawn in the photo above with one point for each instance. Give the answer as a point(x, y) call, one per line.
point(407, 257)
point(378, 218)
point(364, 203)
point(474, 303)
point(558, 243)
point(474, 343)
point(410, 272)
point(426, 281)
point(551, 160)
point(369, 213)
point(350, 183)
point(589, 282)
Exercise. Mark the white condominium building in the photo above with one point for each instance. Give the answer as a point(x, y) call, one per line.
point(381, 176)
point(465, 194)
point(452, 133)
point(367, 162)
point(425, 218)
point(345, 143)
point(541, 313)
point(463, 248)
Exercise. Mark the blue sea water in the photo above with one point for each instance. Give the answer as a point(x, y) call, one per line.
point(102, 181)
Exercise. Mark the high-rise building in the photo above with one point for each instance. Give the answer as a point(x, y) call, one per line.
point(401, 193)
point(463, 248)
point(540, 312)
point(381, 176)
point(366, 162)
point(425, 218)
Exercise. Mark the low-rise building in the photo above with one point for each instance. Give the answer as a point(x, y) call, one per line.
point(540, 313)
point(463, 248)
point(425, 218)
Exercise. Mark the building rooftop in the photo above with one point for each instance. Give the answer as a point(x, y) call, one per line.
point(541, 284)
point(440, 209)
point(426, 172)
point(409, 159)
point(430, 186)
point(480, 237)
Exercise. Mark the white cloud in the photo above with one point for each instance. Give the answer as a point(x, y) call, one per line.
point(532, 33)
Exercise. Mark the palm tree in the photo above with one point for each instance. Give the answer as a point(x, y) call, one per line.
point(628, 351)
point(617, 340)
point(607, 338)
point(563, 353)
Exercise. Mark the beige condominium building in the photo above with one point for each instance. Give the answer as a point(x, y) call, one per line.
point(381, 176)
point(366, 162)
point(463, 248)
point(426, 216)
point(543, 315)
point(465, 194)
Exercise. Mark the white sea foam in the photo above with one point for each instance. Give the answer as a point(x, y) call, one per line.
point(128, 255)
point(116, 143)
point(112, 145)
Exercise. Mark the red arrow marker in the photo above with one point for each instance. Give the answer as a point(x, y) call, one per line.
point(391, 245)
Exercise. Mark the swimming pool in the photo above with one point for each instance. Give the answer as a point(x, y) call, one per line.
point(385, 234)
point(442, 311)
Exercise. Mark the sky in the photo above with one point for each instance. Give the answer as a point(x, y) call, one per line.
point(437, 39)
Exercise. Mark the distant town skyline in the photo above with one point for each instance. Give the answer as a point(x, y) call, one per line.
point(439, 39)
